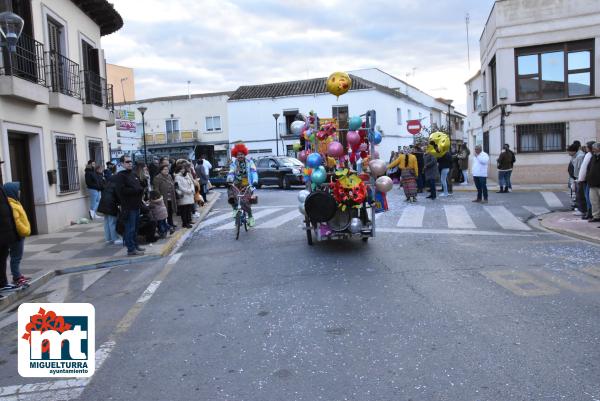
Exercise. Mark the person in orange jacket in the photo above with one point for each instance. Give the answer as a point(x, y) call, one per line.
point(12, 190)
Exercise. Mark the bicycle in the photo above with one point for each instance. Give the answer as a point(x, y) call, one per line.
point(241, 217)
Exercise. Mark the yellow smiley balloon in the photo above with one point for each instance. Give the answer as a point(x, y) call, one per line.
point(439, 144)
point(338, 83)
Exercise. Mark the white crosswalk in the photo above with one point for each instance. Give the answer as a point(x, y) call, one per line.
point(506, 219)
point(551, 199)
point(257, 216)
point(457, 217)
point(412, 216)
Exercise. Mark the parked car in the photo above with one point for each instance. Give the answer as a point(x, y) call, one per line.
point(283, 171)
point(218, 176)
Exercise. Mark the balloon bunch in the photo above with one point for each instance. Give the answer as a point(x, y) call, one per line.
point(378, 168)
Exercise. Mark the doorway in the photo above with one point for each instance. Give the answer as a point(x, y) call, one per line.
point(20, 167)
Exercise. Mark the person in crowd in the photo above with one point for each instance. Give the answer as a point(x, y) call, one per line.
point(109, 171)
point(455, 175)
point(109, 207)
point(580, 204)
point(444, 164)
point(513, 160)
point(184, 187)
point(201, 173)
point(407, 163)
point(164, 184)
point(12, 190)
point(207, 165)
point(593, 182)
point(582, 181)
point(242, 173)
point(130, 193)
point(153, 170)
point(431, 173)
point(505, 165)
point(141, 170)
point(8, 236)
point(94, 182)
point(158, 213)
point(394, 172)
point(572, 151)
point(463, 162)
point(418, 152)
point(480, 173)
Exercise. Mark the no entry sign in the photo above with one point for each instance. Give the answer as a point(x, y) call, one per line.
point(413, 126)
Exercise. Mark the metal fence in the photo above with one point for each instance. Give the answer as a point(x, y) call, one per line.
point(26, 62)
point(96, 90)
point(66, 158)
point(533, 138)
point(64, 75)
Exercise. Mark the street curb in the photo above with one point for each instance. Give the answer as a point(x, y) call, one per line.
point(104, 265)
point(11, 297)
point(569, 233)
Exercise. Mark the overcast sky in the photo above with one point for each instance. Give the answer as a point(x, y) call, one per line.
point(219, 45)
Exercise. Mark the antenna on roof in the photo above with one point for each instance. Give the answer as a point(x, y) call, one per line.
point(467, 20)
point(189, 94)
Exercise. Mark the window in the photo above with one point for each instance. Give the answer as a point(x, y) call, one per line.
point(486, 142)
point(263, 163)
point(66, 160)
point(475, 100)
point(494, 82)
point(96, 152)
point(555, 71)
point(172, 126)
point(213, 123)
point(409, 114)
point(272, 163)
point(341, 114)
point(399, 115)
point(533, 138)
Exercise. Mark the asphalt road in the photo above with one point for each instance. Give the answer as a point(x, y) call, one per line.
point(462, 302)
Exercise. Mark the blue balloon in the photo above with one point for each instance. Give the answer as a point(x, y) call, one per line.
point(314, 160)
point(318, 176)
point(377, 138)
point(354, 123)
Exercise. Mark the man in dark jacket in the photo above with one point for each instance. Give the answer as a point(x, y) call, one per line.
point(418, 152)
point(593, 180)
point(430, 169)
point(109, 207)
point(8, 235)
point(444, 165)
point(129, 192)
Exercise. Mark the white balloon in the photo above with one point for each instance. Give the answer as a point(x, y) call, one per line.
point(297, 127)
point(302, 195)
point(384, 184)
point(378, 167)
point(301, 209)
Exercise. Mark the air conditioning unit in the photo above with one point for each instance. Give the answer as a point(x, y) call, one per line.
point(482, 108)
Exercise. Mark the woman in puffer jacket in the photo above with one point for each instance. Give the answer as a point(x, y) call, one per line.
point(184, 186)
point(23, 230)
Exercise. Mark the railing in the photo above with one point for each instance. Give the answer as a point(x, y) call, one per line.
point(64, 75)
point(97, 91)
point(26, 62)
point(110, 100)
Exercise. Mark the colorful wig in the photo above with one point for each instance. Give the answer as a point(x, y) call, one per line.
point(239, 148)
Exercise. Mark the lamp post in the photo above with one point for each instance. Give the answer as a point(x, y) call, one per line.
point(276, 116)
point(11, 26)
point(142, 109)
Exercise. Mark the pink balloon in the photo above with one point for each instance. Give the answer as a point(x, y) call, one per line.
point(353, 138)
point(302, 156)
point(335, 149)
point(363, 147)
point(376, 155)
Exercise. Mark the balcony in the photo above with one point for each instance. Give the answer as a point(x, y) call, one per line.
point(23, 72)
point(98, 97)
point(65, 84)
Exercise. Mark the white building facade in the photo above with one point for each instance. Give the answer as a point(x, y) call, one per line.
point(539, 83)
point(55, 106)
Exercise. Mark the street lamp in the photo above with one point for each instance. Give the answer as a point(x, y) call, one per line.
point(276, 116)
point(11, 26)
point(142, 109)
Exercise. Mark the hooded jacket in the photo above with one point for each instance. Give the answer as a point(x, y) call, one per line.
point(20, 217)
point(93, 180)
point(109, 202)
point(129, 190)
point(158, 210)
point(8, 229)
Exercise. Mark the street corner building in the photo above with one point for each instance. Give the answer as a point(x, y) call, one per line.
point(55, 105)
point(537, 89)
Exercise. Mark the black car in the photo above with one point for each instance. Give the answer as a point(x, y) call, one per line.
point(283, 171)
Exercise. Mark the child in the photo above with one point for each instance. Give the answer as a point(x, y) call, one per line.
point(158, 213)
point(23, 230)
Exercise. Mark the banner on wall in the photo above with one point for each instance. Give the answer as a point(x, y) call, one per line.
point(126, 125)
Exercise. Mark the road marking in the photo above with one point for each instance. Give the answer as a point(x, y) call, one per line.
point(174, 258)
point(276, 222)
point(506, 219)
point(551, 199)
point(257, 215)
point(446, 232)
point(592, 271)
point(214, 220)
point(536, 210)
point(457, 217)
point(589, 284)
point(412, 216)
point(147, 294)
point(520, 283)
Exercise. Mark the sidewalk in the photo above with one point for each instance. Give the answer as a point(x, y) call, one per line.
point(568, 224)
point(493, 186)
point(82, 247)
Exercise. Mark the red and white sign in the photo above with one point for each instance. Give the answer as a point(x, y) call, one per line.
point(413, 126)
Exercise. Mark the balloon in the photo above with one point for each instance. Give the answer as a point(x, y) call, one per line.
point(335, 149)
point(352, 158)
point(301, 209)
point(302, 156)
point(353, 138)
point(439, 144)
point(377, 167)
point(363, 147)
point(318, 176)
point(376, 138)
point(384, 184)
point(314, 160)
point(302, 195)
point(297, 127)
point(364, 154)
point(375, 155)
point(354, 123)
point(355, 225)
point(296, 147)
point(338, 83)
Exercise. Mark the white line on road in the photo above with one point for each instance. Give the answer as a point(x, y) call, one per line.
point(216, 219)
point(457, 217)
point(506, 219)
point(446, 232)
point(147, 294)
point(174, 258)
point(276, 222)
point(412, 216)
point(536, 210)
point(551, 199)
point(256, 215)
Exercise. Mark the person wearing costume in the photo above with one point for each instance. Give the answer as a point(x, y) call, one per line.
point(242, 173)
point(407, 163)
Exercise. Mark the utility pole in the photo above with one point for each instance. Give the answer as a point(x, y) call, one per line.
point(467, 20)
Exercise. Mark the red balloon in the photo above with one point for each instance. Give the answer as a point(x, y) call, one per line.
point(352, 158)
point(364, 154)
point(362, 133)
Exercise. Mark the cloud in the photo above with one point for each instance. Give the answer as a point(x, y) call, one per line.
point(220, 45)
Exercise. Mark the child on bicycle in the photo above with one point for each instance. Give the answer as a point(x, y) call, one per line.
point(242, 173)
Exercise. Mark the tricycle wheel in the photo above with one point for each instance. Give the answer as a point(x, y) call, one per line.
point(308, 232)
point(365, 239)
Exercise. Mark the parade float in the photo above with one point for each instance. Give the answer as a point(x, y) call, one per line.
point(346, 183)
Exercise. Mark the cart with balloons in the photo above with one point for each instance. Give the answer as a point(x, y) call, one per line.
point(345, 181)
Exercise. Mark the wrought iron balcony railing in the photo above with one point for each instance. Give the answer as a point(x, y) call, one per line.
point(97, 92)
point(64, 75)
point(26, 62)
